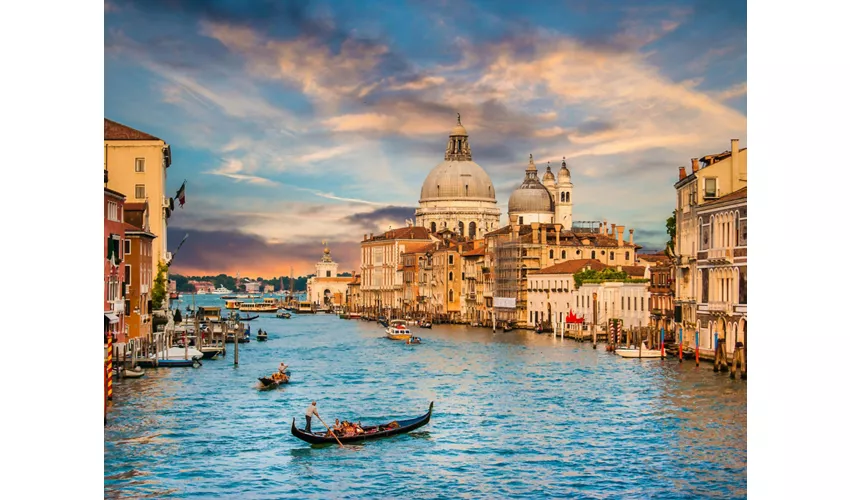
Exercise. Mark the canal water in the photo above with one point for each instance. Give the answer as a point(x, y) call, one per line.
point(516, 415)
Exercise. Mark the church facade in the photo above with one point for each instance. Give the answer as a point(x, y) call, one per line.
point(326, 289)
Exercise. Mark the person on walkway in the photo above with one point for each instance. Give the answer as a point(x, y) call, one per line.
point(311, 410)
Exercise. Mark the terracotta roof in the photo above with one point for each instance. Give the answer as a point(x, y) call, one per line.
point(115, 131)
point(572, 267)
point(734, 195)
point(659, 257)
point(129, 228)
point(476, 252)
point(418, 246)
point(404, 233)
point(337, 279)
point(114, 193)
point(635, 271)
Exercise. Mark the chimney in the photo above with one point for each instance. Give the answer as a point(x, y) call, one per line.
point(603, 226)
point(365, 236)
point(736, 167)
point(694, 164)
point(631, 236)
point(620, 235)
point(682, 173)
point(613, 229)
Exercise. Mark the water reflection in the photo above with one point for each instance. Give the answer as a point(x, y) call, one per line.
point(515, 415)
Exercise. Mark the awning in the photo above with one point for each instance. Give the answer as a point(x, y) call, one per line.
point(110, 317)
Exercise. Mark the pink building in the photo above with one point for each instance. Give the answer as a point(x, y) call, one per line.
point(113, 270)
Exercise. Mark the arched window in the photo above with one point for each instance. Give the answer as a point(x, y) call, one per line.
point(551, 254)
point(593, 254)
point(563, 254)
point(438, 190)
point(460, 228)
point(472, 229)
point(433, 227)
point(627, 256)
point(451, 295)
point(578, 252)
point(568, 198)
point(562, 196)
point(451, 276)
point(467, 190)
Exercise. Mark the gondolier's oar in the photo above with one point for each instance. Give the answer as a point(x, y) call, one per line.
point(332, 432)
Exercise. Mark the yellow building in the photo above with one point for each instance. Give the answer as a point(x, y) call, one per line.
point(135, 164)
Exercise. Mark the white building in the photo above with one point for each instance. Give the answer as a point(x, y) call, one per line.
point(552, 295)
point(458, 194)
point(326, 288)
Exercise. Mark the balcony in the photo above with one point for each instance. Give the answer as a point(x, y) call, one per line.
point(720, 255)
point(719, 307)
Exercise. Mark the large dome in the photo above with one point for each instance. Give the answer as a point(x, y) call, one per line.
point(452, 180)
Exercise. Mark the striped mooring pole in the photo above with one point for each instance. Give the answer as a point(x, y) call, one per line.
point(109, 367)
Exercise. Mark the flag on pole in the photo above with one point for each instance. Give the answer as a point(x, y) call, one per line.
point(181, 194)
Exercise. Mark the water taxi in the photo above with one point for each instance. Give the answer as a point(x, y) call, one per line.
point(233, 304)
point(305, 308)
point(398, 330)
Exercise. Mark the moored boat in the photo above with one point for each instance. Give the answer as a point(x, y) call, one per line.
point(370, 432)
point(283, 315)
point(257, 307)
point(638, 352)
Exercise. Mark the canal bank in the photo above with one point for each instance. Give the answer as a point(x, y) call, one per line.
point(516, 414)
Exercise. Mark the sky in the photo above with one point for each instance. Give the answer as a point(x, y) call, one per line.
point(295, 123)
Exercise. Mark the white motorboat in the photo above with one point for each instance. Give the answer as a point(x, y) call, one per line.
point(181, 353)
point(638, 352)
point(221, 291)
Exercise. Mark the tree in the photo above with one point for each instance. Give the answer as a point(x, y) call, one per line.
point(671, 230)
point(158, 292)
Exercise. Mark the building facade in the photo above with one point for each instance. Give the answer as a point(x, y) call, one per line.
point(458, 194)
point(711, 177)
point(136, 164)
point(139, 269)
point(661, 306)
point(722, 266)
point(113, 268)
point(381, 268)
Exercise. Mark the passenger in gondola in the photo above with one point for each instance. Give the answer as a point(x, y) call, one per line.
point(282, 368)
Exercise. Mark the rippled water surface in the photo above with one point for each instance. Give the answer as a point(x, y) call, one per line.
point(516, 415)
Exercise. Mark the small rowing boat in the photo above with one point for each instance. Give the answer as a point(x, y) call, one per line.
point(370, 432)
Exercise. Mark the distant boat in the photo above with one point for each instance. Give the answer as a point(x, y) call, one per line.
point(638, 352)
point(221, 291)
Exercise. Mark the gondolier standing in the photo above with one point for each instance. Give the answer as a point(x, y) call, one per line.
point(311, 410)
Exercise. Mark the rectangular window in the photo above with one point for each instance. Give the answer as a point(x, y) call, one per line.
point(140, 191)
point(112, 211)
point(622, 303)
point(711, 188)
point(641, 303)
point(127, 274)
point(140, 164)
point(629, 303)
point(127, 247)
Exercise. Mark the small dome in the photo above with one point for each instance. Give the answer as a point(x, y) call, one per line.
point(564, 172)
point(458, 129)
point(531, 196)
point(548, 176)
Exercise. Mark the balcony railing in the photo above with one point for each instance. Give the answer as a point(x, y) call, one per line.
point(720, 255)
point(720, 307)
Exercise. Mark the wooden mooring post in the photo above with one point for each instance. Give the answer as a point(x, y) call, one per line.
point(738, 362)
point(236, 336)
point(593, 332)
point(720, 363)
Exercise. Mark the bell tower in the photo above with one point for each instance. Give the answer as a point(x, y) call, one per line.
point(564, 199)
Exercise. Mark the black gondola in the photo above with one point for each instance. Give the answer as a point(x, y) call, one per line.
point(247, 318)
point(372, 432)
point(271, 383)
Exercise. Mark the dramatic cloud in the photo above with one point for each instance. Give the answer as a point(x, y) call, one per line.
point(301, 121)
